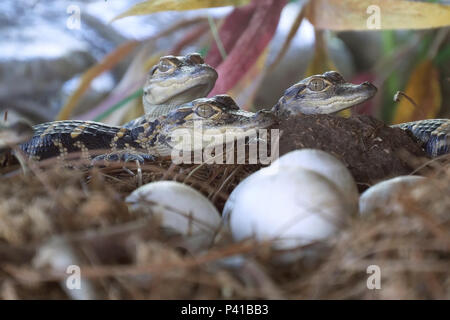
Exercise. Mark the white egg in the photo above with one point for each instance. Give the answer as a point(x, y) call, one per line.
point(315, 160)
point(379, 196)
point(291, 207)
point(229, 204)
point(179, 207)
point(325, 164)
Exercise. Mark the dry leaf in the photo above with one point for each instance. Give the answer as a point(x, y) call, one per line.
point(231, 29)
point(321, 61)
point(189, 38)
point(292, 32)
point(153, 6)
point(108, 62)
point(362, 14)
point(135, 108)
point(244, 91)
point(424, 89)
point(250, 44)
point(133, 79)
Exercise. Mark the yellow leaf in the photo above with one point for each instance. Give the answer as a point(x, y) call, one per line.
point(376, 14)
point(424, 89)
point(152, 6)
point(321, 61)
point(108, 62)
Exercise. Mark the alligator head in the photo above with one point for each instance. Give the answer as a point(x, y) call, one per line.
point(326, 93)
point(208, 122)
point(177, 80)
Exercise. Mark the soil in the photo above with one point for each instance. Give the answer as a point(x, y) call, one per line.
point(371, 150)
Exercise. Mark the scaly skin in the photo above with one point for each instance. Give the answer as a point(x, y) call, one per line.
point(433, 133)
point(63, 137)
point(172, 82)
point(329, 93)
point(326, 93)
point(150, 139)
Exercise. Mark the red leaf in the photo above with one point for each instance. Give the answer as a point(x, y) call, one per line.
point(233, 26)
point(250, 45)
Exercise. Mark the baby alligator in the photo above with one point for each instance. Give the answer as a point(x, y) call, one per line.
point(148, 140)
point(329, 93)
point(175, 80)
point(149, 137)
point(434, 134)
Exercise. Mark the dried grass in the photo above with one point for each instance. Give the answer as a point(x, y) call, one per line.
point(81, 214)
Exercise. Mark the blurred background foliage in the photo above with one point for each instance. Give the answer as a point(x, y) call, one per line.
point(50, 69)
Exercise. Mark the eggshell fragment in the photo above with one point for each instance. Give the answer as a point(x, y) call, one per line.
point(380, 196)
point(291, 207)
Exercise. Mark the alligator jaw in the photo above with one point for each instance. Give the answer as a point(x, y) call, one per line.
point(323, 94)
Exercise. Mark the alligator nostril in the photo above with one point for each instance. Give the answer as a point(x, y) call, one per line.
point(370, 86)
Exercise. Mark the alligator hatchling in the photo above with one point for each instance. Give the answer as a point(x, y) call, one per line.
point(174, 99)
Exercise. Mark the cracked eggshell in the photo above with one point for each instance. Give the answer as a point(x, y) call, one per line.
point(315, 160)
point(292, 207)
point(180, 208)
point(379, 197)
point(325, 164)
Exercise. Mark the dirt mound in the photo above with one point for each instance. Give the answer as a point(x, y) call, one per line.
point(371, 150)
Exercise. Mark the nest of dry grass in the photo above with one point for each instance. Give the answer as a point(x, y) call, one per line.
point(48, 216)
point(52, 215)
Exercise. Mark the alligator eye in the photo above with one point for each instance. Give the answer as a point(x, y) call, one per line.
point(205, 111)
point(316, 85)
point(165, 66)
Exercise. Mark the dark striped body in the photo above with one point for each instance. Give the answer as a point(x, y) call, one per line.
point(433, 133)
point(147, 139)
point(59, 138)
point(135, 122)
